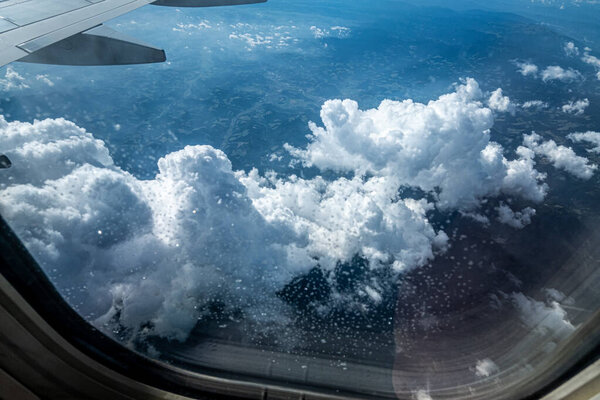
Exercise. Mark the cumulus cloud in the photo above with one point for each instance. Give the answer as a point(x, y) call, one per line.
point(12, 80)
point(537, 104)
point(554, 72)
point(268, 36)
point(544, 318)
point(49, 149)
point(550, 73)
point(518, 219)
point(348, 216)
point(560, 156)
point(160, 253)
point(592, 60)
point(527, 68)
point(576, 107)
point(422, 394)
point(589, 137)
point(45, 79)
point(442, 147)
point(99, 220)
point(475, 216)
point(558, 296)
point(258, 36)
point(151, 251)
point(501, 103)
point(252, 40)
point(340, 32)
point(244, 36)
point(570, 49)
point(485, 368)
point(564, 4)
point(181, 27)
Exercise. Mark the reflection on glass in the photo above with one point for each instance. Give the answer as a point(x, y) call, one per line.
point(434, 235)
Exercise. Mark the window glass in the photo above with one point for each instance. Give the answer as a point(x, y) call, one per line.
point(397, 199)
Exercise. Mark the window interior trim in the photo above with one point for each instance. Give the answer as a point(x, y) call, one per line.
point(584, 386)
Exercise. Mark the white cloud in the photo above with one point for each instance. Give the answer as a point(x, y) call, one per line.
point(576, 107)
point(163, 250)
point(589, 136)
point(501, 103)
point(555, 72)
point(485, 368)
point(441, 146)
point(268, 36)
point(544, 318)
point(12, 80)
point(560, 156)
point(252, 40)
point(570, 49)
point(550, 73)
point(562, 4)
point(44, 78)
point(243, 36)
point(340, 32)
point(518, 219)
point(181, 27)
point(251, 37)
point(422, 394)
point(522, 179)
point(558, 296)
point(373, 294)
point(345, 217)
point(482, 219)
point(592, 60)
point(107, 231)
point(49, 149)
point(538, 104)
point(343, 29)
point(527, 68)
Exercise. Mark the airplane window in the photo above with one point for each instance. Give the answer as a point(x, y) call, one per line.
point(387, 199)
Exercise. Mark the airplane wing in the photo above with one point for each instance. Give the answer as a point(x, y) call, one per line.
point(70, 32)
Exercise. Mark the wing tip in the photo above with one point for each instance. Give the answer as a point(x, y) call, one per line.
point(162, 56)
point(204, 3)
